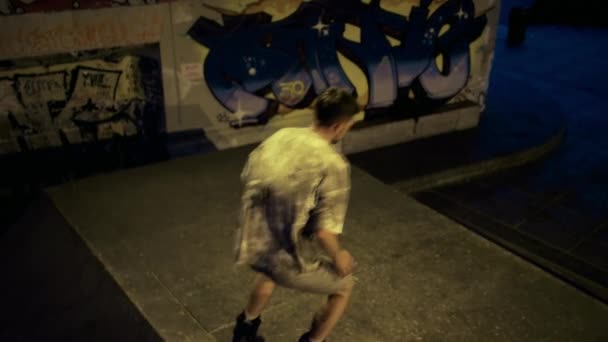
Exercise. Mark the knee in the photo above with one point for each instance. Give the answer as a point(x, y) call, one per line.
point(265, 286)
point(266, 290)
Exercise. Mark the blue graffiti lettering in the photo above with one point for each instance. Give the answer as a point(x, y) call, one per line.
point(296, 58)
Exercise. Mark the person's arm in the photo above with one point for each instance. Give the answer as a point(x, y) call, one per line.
point(343, 261)
point(330, 214)
point(329, 242)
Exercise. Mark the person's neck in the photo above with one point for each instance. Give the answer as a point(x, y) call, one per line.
point(323, 132)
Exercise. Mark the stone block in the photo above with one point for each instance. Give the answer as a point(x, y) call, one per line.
point(367, 138)
point(468, 118)
point(435, 124)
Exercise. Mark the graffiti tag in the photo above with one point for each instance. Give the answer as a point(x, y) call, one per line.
point(79, 104)
point(296, 57)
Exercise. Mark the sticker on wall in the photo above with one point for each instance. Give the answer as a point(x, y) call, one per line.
point(192, 72)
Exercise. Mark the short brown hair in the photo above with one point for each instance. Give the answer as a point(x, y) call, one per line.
point(334, 105)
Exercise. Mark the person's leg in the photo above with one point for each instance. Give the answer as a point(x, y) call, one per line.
point(323, 280)
point(248, 322)
point(317, 317)
point(326, 319)
point(260, 296)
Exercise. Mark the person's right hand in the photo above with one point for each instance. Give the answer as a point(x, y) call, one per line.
point(344, 263)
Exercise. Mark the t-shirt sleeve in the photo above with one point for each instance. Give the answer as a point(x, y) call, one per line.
point(333, 196)
point(245, 172)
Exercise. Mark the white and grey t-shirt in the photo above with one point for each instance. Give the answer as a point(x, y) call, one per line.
point(295, 182)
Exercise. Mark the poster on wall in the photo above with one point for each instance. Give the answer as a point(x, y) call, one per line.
point(264, 67)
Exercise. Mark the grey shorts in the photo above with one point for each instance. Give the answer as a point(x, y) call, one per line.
point(323, 279)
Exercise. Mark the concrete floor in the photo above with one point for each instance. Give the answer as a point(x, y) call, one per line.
point(556, 209)
point(165, 233)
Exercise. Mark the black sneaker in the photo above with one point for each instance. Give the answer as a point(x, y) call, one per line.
point(246, 331)
point(304, 338)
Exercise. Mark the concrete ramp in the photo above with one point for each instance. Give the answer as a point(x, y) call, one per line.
point(146, 254)
point(56, 289)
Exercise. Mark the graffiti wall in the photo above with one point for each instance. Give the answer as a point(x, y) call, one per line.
point(82, 101)
point(264, 67)
point(79, 76)
point(236, 70)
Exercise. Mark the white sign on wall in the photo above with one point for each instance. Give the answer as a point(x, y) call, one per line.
point(192, 72)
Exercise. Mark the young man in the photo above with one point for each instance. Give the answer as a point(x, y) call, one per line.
point(293, 209)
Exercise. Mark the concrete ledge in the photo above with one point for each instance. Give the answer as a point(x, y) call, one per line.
point(376, 135)
point(455, 120)
point(468, 118)
point(477, 169)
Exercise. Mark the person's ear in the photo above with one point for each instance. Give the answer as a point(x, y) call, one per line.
point(335, 128)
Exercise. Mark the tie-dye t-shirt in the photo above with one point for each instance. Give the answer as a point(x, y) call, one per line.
point(295, 182)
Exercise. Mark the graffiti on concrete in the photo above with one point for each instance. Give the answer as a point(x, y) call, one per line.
point(31, 88)
point(296, 58)
point(78, 104)
point(8, 7)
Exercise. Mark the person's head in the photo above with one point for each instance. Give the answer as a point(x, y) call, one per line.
point(334, 113)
